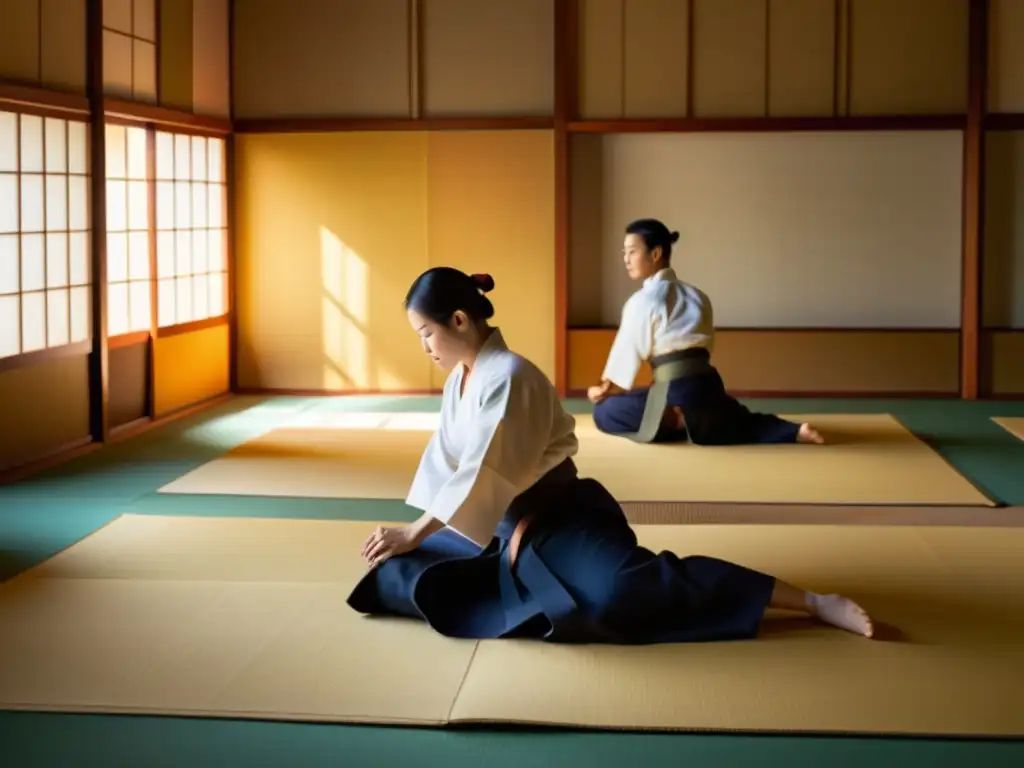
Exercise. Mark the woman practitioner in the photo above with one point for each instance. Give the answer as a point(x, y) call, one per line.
point(512, 543)
point(669, 323)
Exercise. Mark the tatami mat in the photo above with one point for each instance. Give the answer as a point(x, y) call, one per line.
point(870, 459)
point(1012, 424)
point(247, 617)
point(214, 616)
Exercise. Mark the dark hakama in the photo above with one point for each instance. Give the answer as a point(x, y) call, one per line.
point(579, 577)
point(713, 417)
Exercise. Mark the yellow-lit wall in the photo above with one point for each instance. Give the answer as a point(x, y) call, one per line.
point(333, 228)
point(189, 368)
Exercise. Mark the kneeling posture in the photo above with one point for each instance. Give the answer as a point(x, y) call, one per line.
point(669, 324)
point(513, 543)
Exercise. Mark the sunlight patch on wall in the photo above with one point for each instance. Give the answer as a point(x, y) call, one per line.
point(345, 304)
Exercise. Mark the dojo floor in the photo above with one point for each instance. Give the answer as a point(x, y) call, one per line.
point(48, 513)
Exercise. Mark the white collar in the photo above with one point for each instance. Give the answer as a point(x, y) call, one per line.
point(494, 342)
point(667, 275)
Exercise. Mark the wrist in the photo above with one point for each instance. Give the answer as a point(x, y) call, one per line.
point(422, 528)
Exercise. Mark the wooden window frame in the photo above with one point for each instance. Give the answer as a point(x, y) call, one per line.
point(41, 102)
point(154, 120)
point(24, 101)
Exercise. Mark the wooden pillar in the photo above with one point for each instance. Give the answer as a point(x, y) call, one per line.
point(231, 260)
point(973, 217)
point(99, 388)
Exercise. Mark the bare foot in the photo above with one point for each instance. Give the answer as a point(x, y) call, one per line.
point(809, 434)
point(841, 612)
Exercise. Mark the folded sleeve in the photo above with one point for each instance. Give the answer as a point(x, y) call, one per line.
point(506, 439)
point(633, 344)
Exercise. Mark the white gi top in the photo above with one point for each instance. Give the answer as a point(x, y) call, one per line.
point(505, 432)
point(664, 315)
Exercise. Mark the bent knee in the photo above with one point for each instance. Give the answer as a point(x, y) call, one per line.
point(612, 415)
point(603, 416)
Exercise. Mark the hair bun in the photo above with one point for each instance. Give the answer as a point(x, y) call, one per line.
point(674, 237)
point(484, 282)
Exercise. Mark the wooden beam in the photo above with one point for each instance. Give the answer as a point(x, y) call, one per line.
point(99, 386)
point(28, 359)
point(173, 119)
point(973, 216)
point(772, 124)
point(1004, 121)
point(132, 339)
point(48, 103)
point(339, 124)
point(193, 326)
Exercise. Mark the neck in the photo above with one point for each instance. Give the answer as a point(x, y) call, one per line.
point(656, 270)
point(483, 334)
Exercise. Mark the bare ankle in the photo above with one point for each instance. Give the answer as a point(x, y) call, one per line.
point(786, 597)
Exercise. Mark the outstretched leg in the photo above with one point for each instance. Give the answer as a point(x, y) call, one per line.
point(726, 421)
point(836, 610)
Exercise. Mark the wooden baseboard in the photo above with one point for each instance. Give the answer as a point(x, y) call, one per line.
point(745, 394)
point(130, 427)
point(64, 453)
point(822, 362)
point(119, 434)
point(272, 392)
point(139, 426)
point(1003, 358)
point(191, 408)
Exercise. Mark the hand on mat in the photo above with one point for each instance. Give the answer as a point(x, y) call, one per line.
point(387, 542)
point(597, 393)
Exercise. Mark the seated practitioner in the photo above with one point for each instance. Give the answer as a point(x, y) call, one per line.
point(513, 543)
point(669, 324)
